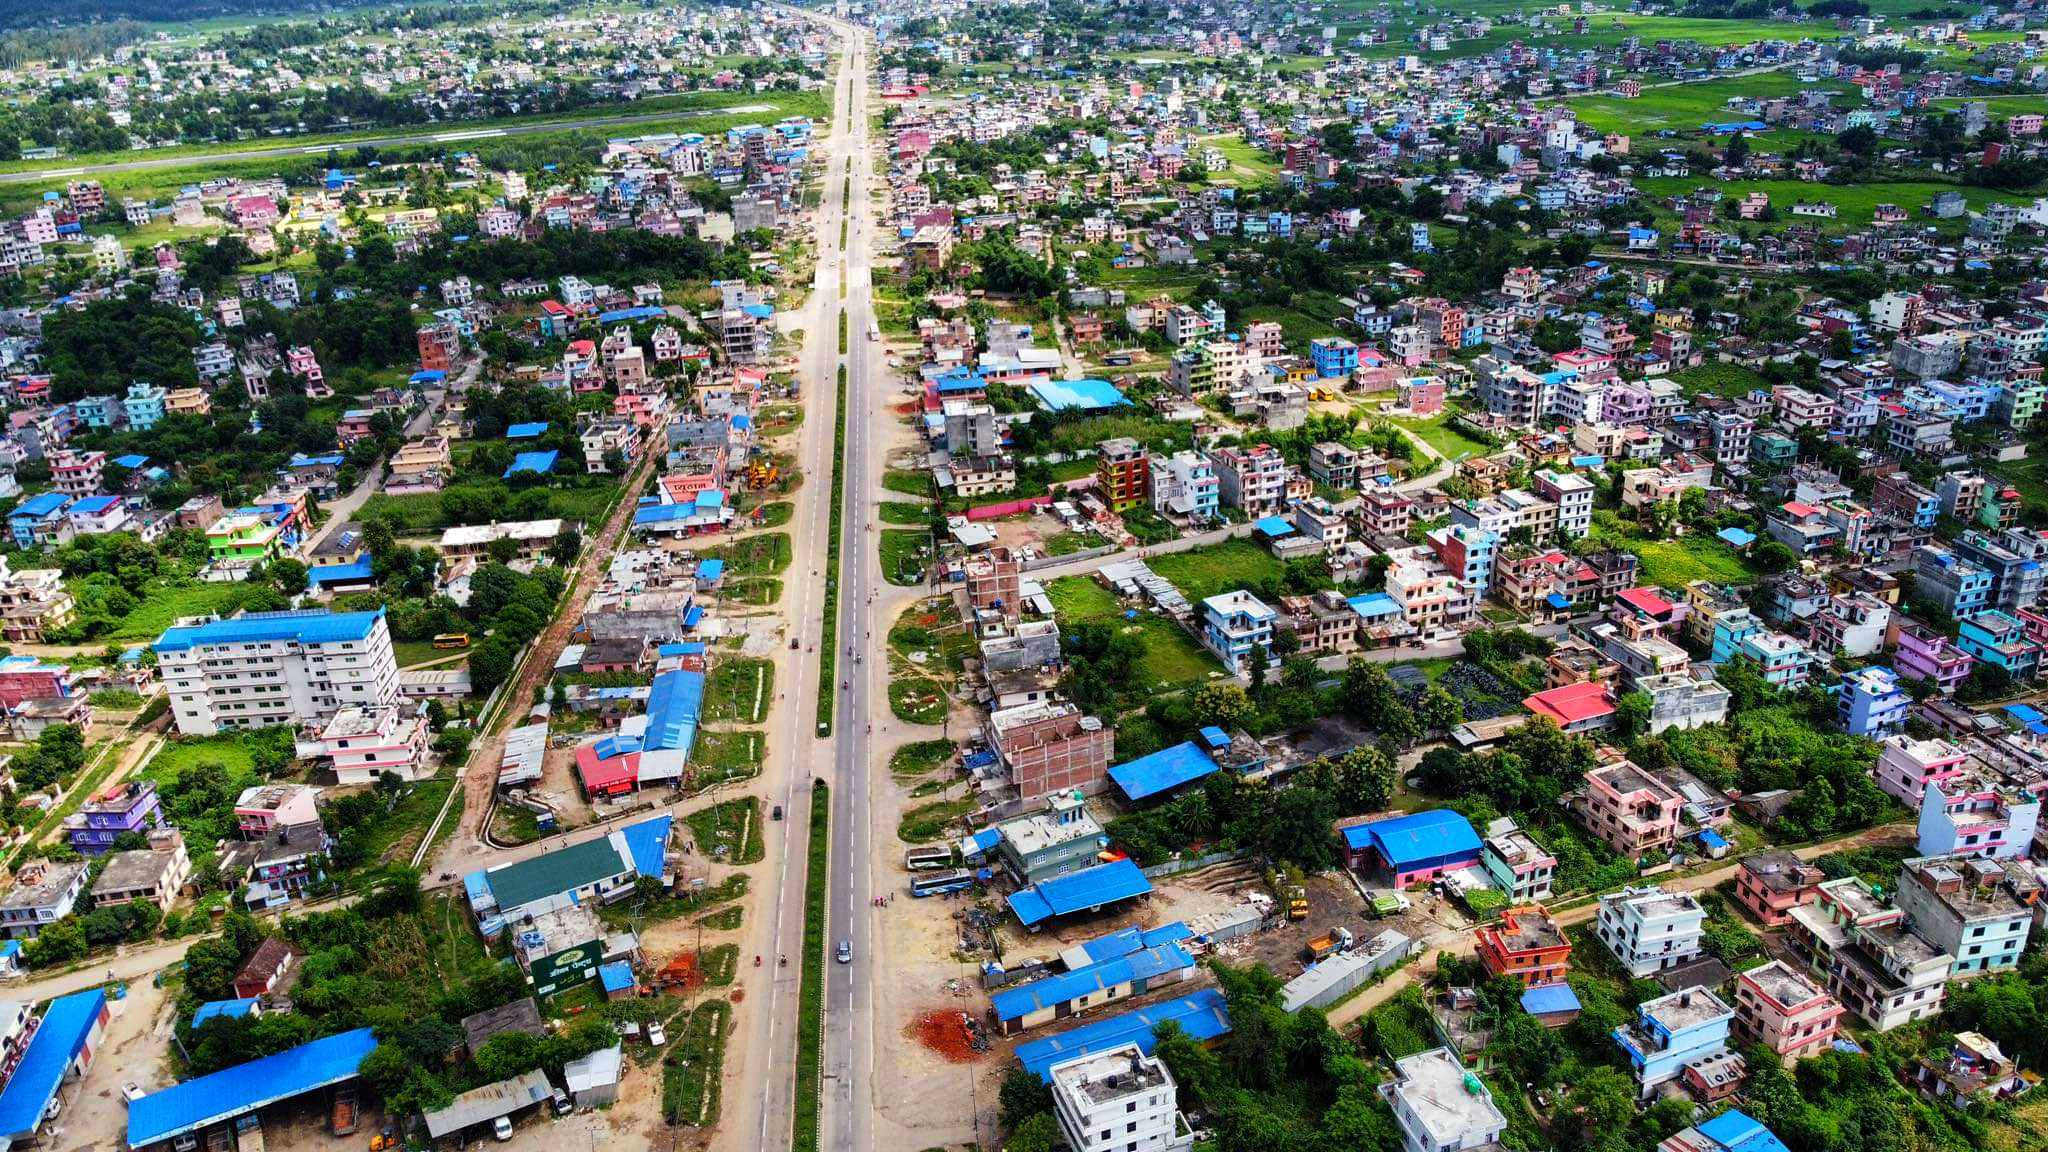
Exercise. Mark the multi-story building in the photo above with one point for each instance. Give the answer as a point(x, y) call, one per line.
point(1781, 1008)
point(1121, 1100)
point(1439, 1106)
point(1525, 945)
point(1871, 703)
point(155, 874)
point(33, 602)
point(1467, 553)
point(1238, 628)
point(1921, 653)
point(1977, 911)
point(1975, 813)
point(1868, 956)
point(2017, 559)
point(1058, 838)
point(125, 809)
point(1673, 1031)
point(275, 668)
point(1780, 659)
point(1771, 884)
point(361, 745)
point(1518, 866)
point(1650, 930)
point(1252, 480)
point(44, 892)
point(1633, 811)
point(1573, 495)
point(1048, 747)
point(1995, 637)
point(994, 582)
point(1121, 471)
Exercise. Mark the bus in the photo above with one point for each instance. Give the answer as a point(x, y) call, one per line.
point(452, 640)
point(928, 859)
point(941, 883)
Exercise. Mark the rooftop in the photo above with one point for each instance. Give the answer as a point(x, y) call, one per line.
point(1107, 1076)
point(262, 627)
point(1450, 1102)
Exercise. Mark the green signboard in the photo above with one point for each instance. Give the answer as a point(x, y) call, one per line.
point(567, 968)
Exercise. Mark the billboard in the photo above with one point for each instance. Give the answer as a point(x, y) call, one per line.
point(567, 968)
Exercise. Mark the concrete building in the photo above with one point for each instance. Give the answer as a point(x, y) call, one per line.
point(1869, 957)
point(275, 668)
point(1518, 866)
point(44, 892)
point(1771, 884)
point(1978, 911)
point(1650, 930)
point(1050, 748)
point(1905, 766)
point(1441, 1107)
point(1238, 628)
point(1632, 810)
point(1120, 1100)
point(1977, 814)
point(1061, 838)
point(360, 745)
point(1526, 945)
point(1782, 1008)
point(1673, 1031)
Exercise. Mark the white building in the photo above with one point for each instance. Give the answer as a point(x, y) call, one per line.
point(1973, 909)
point(1119, 1101)
point(1649, 929)
point(1440, 1106)
point(362, 744)
point(275, 668)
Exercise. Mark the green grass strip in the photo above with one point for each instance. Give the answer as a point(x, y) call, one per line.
point(828, 667)
point(810, 1018)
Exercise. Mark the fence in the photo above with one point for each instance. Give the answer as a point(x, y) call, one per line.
point(1046, 561)
point(1175, 867)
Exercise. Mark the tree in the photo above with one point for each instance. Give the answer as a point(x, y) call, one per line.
point(1632, 715)
point(1439, 711)
point(1039, 1133)
point(288, 574)
point(1023, 1096)
point(1223, 705)
point(1366, 778)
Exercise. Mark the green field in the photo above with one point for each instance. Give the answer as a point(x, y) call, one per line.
point(1716, 379)
point(903, 555)
point(1684, 108)
point(1436, 431)
point(1854, 203)
point(423, 512)
point(165, 603)
point(1200, 573)
point(1672, 564)
point(1172, 657)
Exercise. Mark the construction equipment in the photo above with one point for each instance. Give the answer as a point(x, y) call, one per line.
point(1297, 909)
point(1322, 947)
point(761, 474)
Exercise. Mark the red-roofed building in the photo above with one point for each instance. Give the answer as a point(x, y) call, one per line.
point(1527, 945)
point(606, 775)
point(1583, 707)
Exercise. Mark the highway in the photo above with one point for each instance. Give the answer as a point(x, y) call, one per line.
point(451, 134)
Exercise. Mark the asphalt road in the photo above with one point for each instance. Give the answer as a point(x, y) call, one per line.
point(447, 135)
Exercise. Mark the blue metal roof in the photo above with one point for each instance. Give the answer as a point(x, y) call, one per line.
point(93, 505)
point(302, 627)
point(1060, 395)
point(1736, 1131)
point(526, 431)
point(711, 569)
point(541, 462)
point(1417, 840)
point(67, 1024)
point(1712, 839)
point(1558, 600)
point(1125, 941)
point(1274, 525)
point(1163, 770)
point(1550, 998)
point(1079, 891)
point(622, 315)
point(131, 461)
point(228, 1008)
point(617, 976)
point(672, 708)
point(1739, 537)
point(232, 1092)
point(38, 506)
point(357, 569)
point(647, 844)
point(1024, 999)
point(1202, 1016)
point(1374, 605)
point(429, 376)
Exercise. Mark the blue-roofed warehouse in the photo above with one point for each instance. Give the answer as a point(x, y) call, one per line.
point(526, 431)
point(222, 1096)
point(1083, 891)
point(1735, 1131)
point(1081, 395)
point(63, 1043)
point(1201, 1016)
point(1163, 771)
point(230, 1009)
point(1041, 1002)
point(1415, 848)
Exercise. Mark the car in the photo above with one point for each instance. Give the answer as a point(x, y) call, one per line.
point(846, 951)
point(131, 1091)
point(656, 1034)
point(563, 1105)
point(777, 812)
point(501, 1128)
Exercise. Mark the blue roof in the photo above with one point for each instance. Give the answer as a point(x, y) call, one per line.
point(1712, 839)
point(526, 431)
point(1373, 605)
point(621, 315)
point(961, 382)
point(985, 839)
point(1550, 998)
point(228, 1008)
point(93, 505)
point(231, 1092)
point(647, 844)
point(39, 506)
point(1739, 537)
point(67, 1025)
point(711, 569)
point(1201, 1016)
point(1125, 941)
point(1163, 770)
point(1558, 600)
point(1416, 840)
point(541, 462)
point(429, 376)
point(672, 707)
point(301, 460)
point(311, 627)
point(617, 976)
point(1735, 1131)
point(1039, 995)
point(1079, 891)
point(131, 461)
point(759, 311)
point(1274, 525)
point(1060, 395)
point(358, 569)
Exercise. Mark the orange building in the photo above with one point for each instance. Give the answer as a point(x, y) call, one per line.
point(1526, 945)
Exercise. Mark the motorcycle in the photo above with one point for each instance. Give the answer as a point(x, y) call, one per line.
point(757, 959)
point(784, 961)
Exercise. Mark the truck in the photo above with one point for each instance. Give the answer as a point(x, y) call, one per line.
point(342, 1121)
point(1328, 944)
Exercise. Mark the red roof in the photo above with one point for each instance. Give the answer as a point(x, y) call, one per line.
point(606, 775)
point(1798, 508)
point(1645, 600)
point(553, 308)
point(1572, 704)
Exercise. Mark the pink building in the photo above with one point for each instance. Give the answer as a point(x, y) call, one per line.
point(1633, 811)
point(27, 678)
point(1907, 766)
point(1924, 654)
point(1423, 395)
point(1785, 1011)
point(1771, 884)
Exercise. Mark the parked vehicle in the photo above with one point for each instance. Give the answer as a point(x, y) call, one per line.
point(501, 1128)
point(131, 1091)
point(452, 640)
point(1331, 942)
point(563, 1105)
point(776, 812)
point(656, 1034)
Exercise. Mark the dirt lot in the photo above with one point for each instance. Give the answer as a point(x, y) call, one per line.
point(138, 1036)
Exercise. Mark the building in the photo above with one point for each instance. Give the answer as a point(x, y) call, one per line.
point(1869, 957)
point(1060, 838)
point(131, 808)
point(1978, 814)
point(1518, 866)
point(1121, 471)
point(1526, 945)
point(266, 967)
point(1184, 485)
point(1414, 848)
point(1252, 480)
point(275, 668)
point(156, 874)
point(361, 745)
point(1905, 766)
point(1673, 1031)
point(44, 892)
point(1441, 1107)
point(1974, 1073)
point(1781, 1008)
point(1050, 748)
point(1731, 1131)
point(1238, 628)
point(1119, 1100)
point(2000, 639)
point(1771, 884)
point(1977, 911)
point(1634, 811)
point(1650, 930)
point(1871, 703)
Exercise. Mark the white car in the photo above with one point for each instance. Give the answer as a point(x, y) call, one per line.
point(656, 1034)
point(501, 1128)
point(131, 1091)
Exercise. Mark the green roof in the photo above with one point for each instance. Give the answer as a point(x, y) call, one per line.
point(553, 873)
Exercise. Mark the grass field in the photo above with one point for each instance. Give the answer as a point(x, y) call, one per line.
point(1672, 564)
point(1684, 108)
point(739, 690)
point(423, 512)
point(903, 558)
point(1854, 203)
point(1716, 379)
point(1172, 657)
point(165, 603)
point(904, 512)
point(1437, 432)
point(764, 555)
point(1203, 572)
point(730, 831)
point(927, 822)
